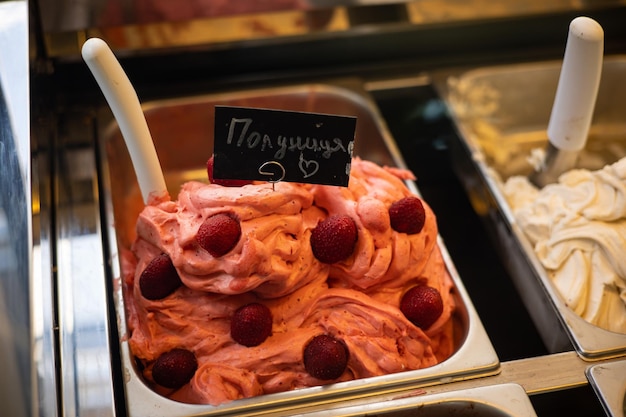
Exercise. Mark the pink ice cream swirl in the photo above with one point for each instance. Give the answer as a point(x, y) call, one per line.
point(273, 256)
point(385, 262)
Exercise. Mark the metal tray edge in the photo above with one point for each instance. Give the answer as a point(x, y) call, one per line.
point(590, 342)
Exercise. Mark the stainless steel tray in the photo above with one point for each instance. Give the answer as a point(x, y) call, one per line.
point(609, 382)
point(505, 400)
point(189, 121)
point(501, 113)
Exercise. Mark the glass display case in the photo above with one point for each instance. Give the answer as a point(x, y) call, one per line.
point(60, 329)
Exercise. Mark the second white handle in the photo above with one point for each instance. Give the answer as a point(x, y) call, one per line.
point(578, 85)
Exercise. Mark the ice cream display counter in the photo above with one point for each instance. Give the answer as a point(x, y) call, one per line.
point(69, 198)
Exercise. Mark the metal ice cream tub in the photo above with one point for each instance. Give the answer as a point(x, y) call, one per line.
point(501, 114)
point(607, 380)
point(182, 133)
point(503, 400)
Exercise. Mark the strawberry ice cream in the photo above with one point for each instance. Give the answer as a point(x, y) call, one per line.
point(307, 285)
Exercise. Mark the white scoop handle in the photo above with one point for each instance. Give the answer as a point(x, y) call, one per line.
point(578, 85)
point(126, 108)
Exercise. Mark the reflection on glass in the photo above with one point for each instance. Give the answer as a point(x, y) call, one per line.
point(66, 15)
point(144, 24)
point(118, 12)
point(14, 276)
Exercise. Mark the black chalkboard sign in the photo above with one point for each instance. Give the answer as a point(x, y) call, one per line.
point(278, 145)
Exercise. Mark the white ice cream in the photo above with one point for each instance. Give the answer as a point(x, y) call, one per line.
point(578, 230)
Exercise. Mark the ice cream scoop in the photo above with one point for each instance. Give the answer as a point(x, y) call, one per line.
point(574, 101)
point(124, 104)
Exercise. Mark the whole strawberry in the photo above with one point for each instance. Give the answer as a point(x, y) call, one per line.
point(334, 238)
point(407, 215)
point(226, 183)
point(251, 324)
point(422, 305)
point(219, 233)
point(325, 357)
point(175, 368)
point(159, 279)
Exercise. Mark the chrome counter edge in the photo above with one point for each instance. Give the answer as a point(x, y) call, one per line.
point(27, 348)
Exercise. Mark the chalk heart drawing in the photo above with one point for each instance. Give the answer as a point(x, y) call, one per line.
point(308, 168)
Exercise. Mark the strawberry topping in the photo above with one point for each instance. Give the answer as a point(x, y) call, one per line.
point(422, 305)
point(334, 238)
point(219, 234)
point(325, 357)
point(175, 368)
point(159, 279)
point(407, 215)
point(251, 324)
point(224, 182)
